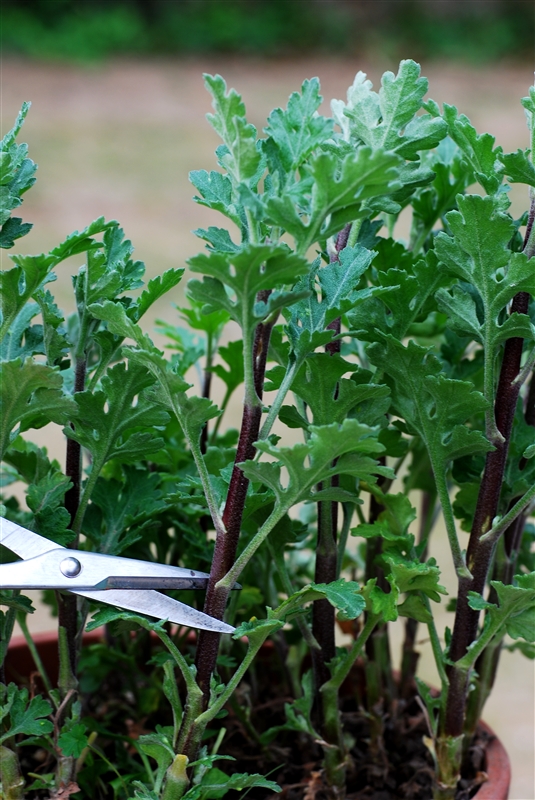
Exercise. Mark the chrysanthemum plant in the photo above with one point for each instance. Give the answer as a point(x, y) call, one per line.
point(402, 369)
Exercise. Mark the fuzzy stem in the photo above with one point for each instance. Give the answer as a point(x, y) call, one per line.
point(481, 548)
point(21, 619)
point(11, 780)
point(291, 371)
point(197, 719)
point(347, 511)
point(410, 656)
point(6, 632)
point(280, 564)
point(207, 385)
point(323, 615)
point(504, 570)
point(255, 356)
point(335, 751)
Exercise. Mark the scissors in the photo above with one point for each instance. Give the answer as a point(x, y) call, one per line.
point(125, 582)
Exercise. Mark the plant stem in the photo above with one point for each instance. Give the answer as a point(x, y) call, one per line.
point(293, 368)
point(227, 540)
point(280, 564)
point(11, 780)
point(67, 604)
point(347, 511)
point(197, 719)
point(6, 633)
point(504, 570)
point(207, 384)
point(323, 614)
point(480, 548)
point(21, 619)
point(335, 752)
point(410, 656)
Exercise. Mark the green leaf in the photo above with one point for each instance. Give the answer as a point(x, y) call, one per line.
point(25, 717)
point(55, 340)
point(30, 397)
point(340, 187)
point(107, 422)
point(520, 625)
point(518, 167)
point(232, 355)
point(330, 397)
point(298, 130)
point(17, 602)
point(156, 288)
point(515, 613)
point(388, 120)
point(30, 461)
point(478, 150)
point(106, 616)
point(431, 203)
point(477, 252)
point(170, 392)
point(46, 499)
point(120, 512)
point(216, 784)
point(73, 741)
point(343, 595)
point(17, 285)
point(218, 239)
point(23, 339)
point(216, 192)
point(435, 406)
point(414, 607)
point(413, 576)
point(12, 229)
point(245, 273)
point(257, 630)
point(380, 602)
point(351, 443)
point(16, 176)
point(119, 323)
point(529, 452)
point(242, 158)
point(337, 282)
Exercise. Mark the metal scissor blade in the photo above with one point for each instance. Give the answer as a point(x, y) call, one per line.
point(78, 570)
point(160, 606)
point(23, 542)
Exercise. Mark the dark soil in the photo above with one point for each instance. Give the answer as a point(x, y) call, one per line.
point(388, 758)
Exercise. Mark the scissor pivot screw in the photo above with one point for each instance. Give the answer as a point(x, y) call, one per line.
point(70, 567)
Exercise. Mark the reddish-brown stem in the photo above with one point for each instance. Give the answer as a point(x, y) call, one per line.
point(73, 461)
point(480, 553)
point(323, 619)
point(206, 387)
point(504, 570)
point(529, 411)
point(67, 607)
point(227, 542)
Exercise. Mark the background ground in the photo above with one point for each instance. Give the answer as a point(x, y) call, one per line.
point(119, 140)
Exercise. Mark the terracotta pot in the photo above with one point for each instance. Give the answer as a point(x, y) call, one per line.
point(19, 665)
point(498, 770)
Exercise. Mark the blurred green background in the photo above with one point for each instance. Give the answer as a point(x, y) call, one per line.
point(479, 31)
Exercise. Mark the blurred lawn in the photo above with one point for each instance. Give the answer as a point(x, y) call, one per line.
point(119, 140)
point(476, 31)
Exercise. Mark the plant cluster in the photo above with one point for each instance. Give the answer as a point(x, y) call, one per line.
point(398, 367)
